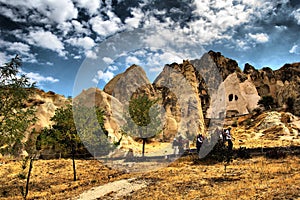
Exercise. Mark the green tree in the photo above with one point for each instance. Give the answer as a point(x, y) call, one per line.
point(90, 127)
point(15, 116)
point(267, 102)
point(143, 119)
point(63, 133)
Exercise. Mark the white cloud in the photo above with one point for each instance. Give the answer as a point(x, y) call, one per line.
point(242, 44)
point(106, 27)
point(108, 60)
point(136, 19)
point(15, 47)
point(213, 21)
point(156, 61)
point(19, 47)
point(281, 28)
point(91, 54)
point(53, 9)
point(65, 27)
point(105, 76)
point(112, 68)
point(46, 40)
point(11, 14)
point(295, 49)
point(87, 43)
point(38, 78)
point(296, 15)
point(131, 60)
point(78, 27)
point(3, 58)
point(56, 10)
point(259, 37)
point(77, 57)
point(91, 5)
point(73, 27)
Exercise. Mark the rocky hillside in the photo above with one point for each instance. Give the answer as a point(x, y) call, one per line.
point(46, 103)
point(268, 129)
point(282, 84)
point(211, 87)
point(244, 89)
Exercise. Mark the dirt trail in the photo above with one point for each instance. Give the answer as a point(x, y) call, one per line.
point(113, 190)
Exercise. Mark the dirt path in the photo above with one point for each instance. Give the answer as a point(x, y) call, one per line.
point(113, 190)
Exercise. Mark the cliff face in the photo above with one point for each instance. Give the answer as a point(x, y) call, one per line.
point(211, 87)
point(177, 86)
point(225, 65)
point(224, 89)
point(129, 83)
point(282, 84)
point(46, 104)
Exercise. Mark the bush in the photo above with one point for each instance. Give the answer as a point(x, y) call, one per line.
point(267, 102)
point(243, 153)
point(276, 154)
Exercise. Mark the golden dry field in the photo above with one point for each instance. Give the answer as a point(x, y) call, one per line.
point(186, 178)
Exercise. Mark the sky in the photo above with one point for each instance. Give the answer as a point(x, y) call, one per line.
point(70, 45)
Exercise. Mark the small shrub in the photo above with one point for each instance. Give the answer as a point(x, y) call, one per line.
point(234, 124)
point(276, 154)
point(21, 176)
point(243, 153)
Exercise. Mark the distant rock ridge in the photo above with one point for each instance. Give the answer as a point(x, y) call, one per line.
point(133, 80)
point(210, 87)
point(200, 85)
point(282, 84)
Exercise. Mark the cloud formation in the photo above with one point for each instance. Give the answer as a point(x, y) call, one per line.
point(72, 29)
point(105, 76)
point(259, 37)
point(46, 39)
point(295, 49)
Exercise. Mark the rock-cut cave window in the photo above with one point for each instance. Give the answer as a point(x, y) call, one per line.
point(236, 97)
point(230, 97)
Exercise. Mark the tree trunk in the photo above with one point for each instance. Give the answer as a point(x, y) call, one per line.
point(144, 143)
point(74, 167)
point(28, 178)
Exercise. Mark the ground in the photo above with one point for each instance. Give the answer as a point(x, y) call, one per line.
point(185, 178)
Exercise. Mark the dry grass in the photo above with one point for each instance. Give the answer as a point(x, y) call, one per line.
point(256, 178)
point(53, 179)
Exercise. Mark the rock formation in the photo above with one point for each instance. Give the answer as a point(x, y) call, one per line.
point(132, 81)
point(282, 84)
point(177, 86)
point(240, 97)
point(224, 89)
point(211, 87)
point(46, 104)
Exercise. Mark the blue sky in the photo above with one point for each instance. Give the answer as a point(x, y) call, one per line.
point(86, 42)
